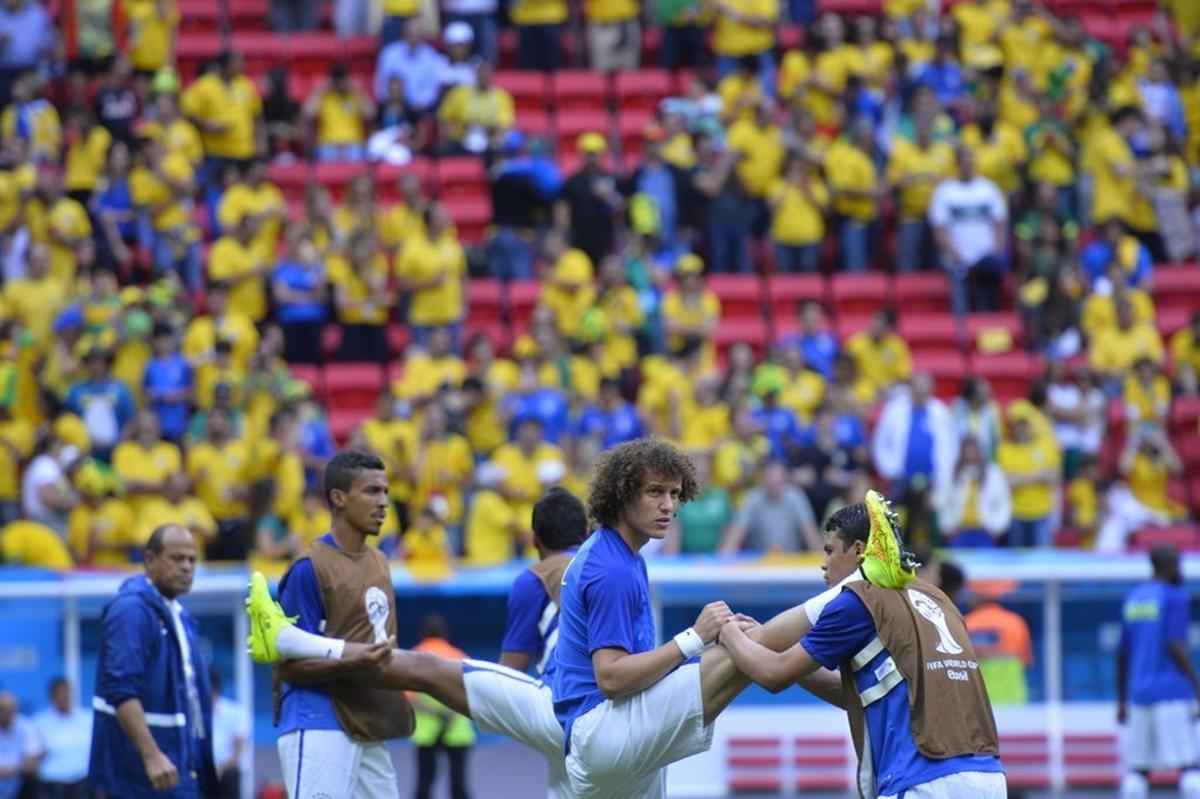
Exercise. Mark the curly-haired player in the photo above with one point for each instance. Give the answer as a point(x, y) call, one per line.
point(620, 709)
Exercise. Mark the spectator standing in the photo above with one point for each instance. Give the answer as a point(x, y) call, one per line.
point(19, 748)
point(46, 493)
point(978, 506)
point(1146, 466)
point(281, 114)
point(539, 32)
point(167, 384)
point(254, 198)
point(294, 16)
point(826, 467)
point(699, 528)
point(439, 729)
point(727, 211)
point(460, 63)
point(612, 420)
point(854, 183)
point(144, 463)
point(1033, 465)
point(1113, 168)
point(1114, 351)
point(476, 117)
point(418, 66)
point(234, 261)
point(683, 30)
point(397, 15)
point(432, 267)
point(882, 357)
point(691, 311)
point(226, 109)
point(87, 145)
point(17, 439)
point(968, 214)
point(976, 415)
point(1185, 354)
point(915, 169)
point(746, 29)
point(493, 532)
point(663, 183)
point(339, 110)
point(219, 466)
point(150, 672)
point(230, 734)
point(300, 287)
point(916, 443)
point(523, 187)
point(117, 102)
point(614, 34)
point(160, 187)
point(177, 505)
point(152, 29)
point(480, 16)
point(798, 202)
point(65, 739)
point(28, 36)
point(589, 201)
point(774, 518)
point(103, 403)
point(1157, 685)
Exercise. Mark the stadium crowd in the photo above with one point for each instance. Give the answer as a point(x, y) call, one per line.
point(171, 320)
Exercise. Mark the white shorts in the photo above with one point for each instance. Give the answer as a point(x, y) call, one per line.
point(621, 748)
point(327, 764)
point(1161, 736)
point(519, 707)
point(973, 784)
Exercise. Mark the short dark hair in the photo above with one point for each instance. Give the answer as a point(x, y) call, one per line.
point(55, 684)
point(1164, 558)
point(850, 524)
point(559, 520)
point(434, 626)
point(621, 470)
point(951, 578)
point(344, 467)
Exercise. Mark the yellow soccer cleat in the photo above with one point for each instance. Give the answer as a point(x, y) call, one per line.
point(267, 619)
point(886, 563)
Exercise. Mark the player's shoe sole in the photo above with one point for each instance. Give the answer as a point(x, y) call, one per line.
point(885, 563)
point(266, 621)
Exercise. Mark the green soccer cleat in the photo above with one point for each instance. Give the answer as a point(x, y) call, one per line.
point(886, 563)
point(267, 619)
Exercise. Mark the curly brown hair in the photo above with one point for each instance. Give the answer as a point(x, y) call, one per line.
point(622, 470)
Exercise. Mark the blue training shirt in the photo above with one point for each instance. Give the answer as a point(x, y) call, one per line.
point(305, 707)
point(605, 603)
point(532, 625)
point(843, 629)
point(1154, 614)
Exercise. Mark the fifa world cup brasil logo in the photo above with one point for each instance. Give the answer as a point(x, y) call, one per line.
point(377, 612)
point(930, 611)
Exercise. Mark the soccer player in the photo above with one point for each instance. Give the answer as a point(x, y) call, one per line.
point(332, 724)
point(1156, 675)
point(918, 708)
point(666, 700)
point(560, 525)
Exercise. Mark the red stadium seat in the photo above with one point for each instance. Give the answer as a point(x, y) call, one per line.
point(579, 90)
point(336, 177)
point(1176, 287)
point(528, 90)
point(1188, 447)
point(1170, 321)
point(921, 291)
point(199, 16)
point(849, 324)
point(388, 177)
point(785, 293)
point(462, 178)
point(523, 296)
point(1183, 537)
point(344, 421)
point(856, 294)
point(948, 368)
point(1010, 374)
point(536, 123)
point(1185, 415)
point(641, 90)
point(631, 129)
point(928, 332)
point(742, 331)
point(740, 295)
point(471, 217)
point(485, 300)
point(292, 179)
point(353, 385)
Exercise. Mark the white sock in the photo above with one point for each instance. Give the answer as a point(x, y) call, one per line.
point(1134, 786)
point(296, 644)
point(1189, 784)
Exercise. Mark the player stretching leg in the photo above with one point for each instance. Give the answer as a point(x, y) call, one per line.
point(919, 712)
point(1155, 675)
point(642, 483)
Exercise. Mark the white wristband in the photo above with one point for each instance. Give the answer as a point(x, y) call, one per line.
point(689, 643)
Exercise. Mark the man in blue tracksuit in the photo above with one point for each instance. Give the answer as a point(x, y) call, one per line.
point(152, 733)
